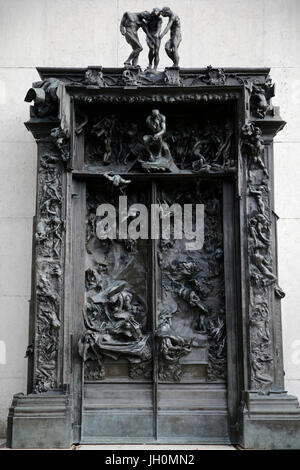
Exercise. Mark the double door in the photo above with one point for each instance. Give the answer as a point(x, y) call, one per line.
point(153, 340)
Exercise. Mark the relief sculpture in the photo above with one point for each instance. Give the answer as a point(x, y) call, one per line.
point(157, 143)
point(262, 278)
point(171, 348)
point(115, 315)
point(49, 239)
point(191, 326)
point(193, 282)
point(119, 334)
point(260, 96)
point(50, 226)
point(44, 96)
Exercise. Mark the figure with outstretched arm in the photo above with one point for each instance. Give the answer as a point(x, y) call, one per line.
point(129, 26)
point(173, 26)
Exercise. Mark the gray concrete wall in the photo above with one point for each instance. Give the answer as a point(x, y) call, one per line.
point(223, 33)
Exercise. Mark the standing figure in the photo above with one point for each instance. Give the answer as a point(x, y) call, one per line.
point(129, 26)
point(258, 196)
point(200, 162)
point(153, 37)
point(103, 130)
point(173, 25)
point(257, 150)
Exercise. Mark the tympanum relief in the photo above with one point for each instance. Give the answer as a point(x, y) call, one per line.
point(157, 142)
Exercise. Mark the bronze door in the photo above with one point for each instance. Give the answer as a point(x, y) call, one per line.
point(154, 346)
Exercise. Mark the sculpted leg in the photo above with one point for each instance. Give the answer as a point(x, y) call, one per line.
point(150, 57)
point(148, 139)
point(175, 52)
point(169, 50)
point(156, 54)
point(133, 40)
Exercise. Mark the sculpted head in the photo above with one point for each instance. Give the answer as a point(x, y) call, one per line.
point(260, 218)
point(155, 12)
point(145, 15)
point(155, 112)
point(166, 11)
point(257, 131)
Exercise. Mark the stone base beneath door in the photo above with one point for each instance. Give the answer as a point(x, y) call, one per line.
point(44, 422)
point(271, 422)
point(40, 421)
point(156, 447)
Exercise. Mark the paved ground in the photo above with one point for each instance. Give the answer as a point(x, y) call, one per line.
point(155, 447)
point(141, 447)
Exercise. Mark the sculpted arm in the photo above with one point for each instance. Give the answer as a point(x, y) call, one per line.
point(159, 25)
point(148, 122)
point(163, 127)
point(109, 177)
point(145, 29)
point(167, 28)
point(122, 24)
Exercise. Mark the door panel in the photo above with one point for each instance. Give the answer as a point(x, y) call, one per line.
point(192, 400)
point(117, 293)
point(154, 346)
point(118, 390)
point(114, 410)
point(190, 286)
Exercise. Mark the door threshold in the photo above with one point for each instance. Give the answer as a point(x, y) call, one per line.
point(156, 447)
point(186, 441)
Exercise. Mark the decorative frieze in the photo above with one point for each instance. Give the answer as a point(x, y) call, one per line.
point(49, 255)
point(262, 280)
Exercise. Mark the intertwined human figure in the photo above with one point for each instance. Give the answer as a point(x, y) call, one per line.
point(151, 24)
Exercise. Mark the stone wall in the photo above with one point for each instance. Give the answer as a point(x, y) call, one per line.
point(78, 33)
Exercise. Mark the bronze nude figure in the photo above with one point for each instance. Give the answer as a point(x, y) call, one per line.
point(157, 149)
point(151, 24)
point(154, 25)
point(157, 124)
point(173, 26)
point(130, 24)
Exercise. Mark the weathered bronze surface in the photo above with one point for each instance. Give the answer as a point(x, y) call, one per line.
point(142, 340)
point(151, 24)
